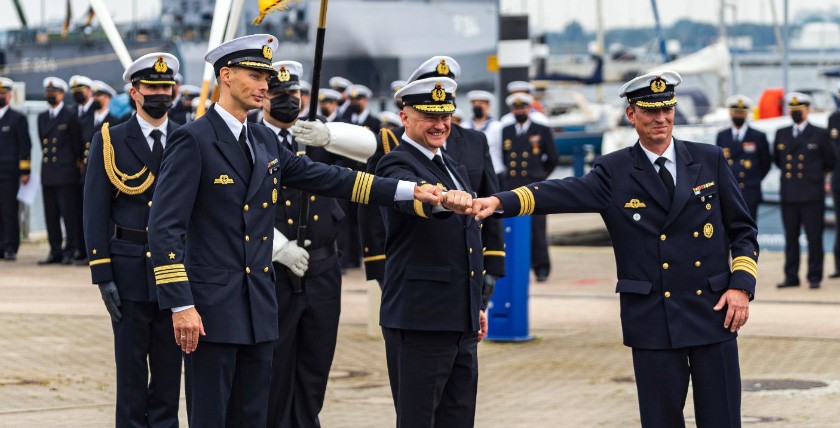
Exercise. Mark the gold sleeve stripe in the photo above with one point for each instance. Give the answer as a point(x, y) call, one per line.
point(374, 258)
point(361, 188)
point(526, 200)
point(354, 197)
point(25, 164)
point(99, 262)
point(368, 186)
point(171, 280)
point(494, 253)
point(418, 208)
point(169, 267)
point(745, 264)
point(169, 275)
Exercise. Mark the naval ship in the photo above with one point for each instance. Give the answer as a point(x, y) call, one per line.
point(371, 42)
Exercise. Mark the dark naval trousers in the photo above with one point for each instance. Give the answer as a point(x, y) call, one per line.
point(810, 215)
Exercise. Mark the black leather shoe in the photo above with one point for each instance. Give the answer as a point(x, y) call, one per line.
point(50, 260)
point(787, 284)
point(835, 275)
point(67, 260)
point(814, 285)
point(542, 276)
point(10, 256)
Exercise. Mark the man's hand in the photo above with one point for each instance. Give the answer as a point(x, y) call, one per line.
point(293, 257)
point(187, 326)
point(315, 134)
point(428, 194)
point(111, 297)
point(482, 322)
point(485, 207)
point(458, 200)
point(24, 179)
point(738, 310)
point(488, 287)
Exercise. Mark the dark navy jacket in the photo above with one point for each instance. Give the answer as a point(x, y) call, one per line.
point(61, 143)
point(125, 262)
point(749, 160)
point(15, 146)
point(672, 257)
point(529, 157)
point(464, 146)
point(804, 161)
point(210, 229)
point(434, 266)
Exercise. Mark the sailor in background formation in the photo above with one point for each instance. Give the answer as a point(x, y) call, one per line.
point(309, 309)
point(481, 102)
point(63, 158)
point(15, 152)
point(529, 155)
point(215, 205)
point(804, 154)
point(328, 100)
point(526, 88)
point(122, 174)
point(340, 84)
point(834, 135)
point(746, 150)
point(305, 98)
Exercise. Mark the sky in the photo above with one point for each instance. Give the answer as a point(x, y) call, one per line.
point(545, 14)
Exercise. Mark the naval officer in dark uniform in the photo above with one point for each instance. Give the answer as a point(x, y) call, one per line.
point(675, 215)
point(63, 158)
point(211, 234)
point(746, 151)
point(121, 263)
point(834, 135)
point(432, 313)
point(529, 154)
point(308, 316)
point(805, 155)
point(15, 152)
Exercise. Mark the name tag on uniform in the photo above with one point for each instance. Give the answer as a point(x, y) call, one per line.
point(273, 166)
point(749, 147)
point(62, 127)
point(812, 146)
point(6, 128)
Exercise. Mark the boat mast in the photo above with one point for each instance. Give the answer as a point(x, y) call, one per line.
point(660, 38)
point(21, 15)
point(599, 43)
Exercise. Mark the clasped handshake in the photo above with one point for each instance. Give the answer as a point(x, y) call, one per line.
point(458, 201)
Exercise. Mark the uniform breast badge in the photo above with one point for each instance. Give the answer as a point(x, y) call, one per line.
point(223, 179)
point(702, 187)
point(635, 204)
point(708, 230)
point(273, 196)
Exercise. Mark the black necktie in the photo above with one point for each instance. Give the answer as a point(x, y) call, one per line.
point(666, 176)
point(288, 141)
point(157, 146)
point(243, 143)
point(438, 160)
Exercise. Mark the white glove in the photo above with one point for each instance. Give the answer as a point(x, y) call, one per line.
point(289, 254)
point(314, 133)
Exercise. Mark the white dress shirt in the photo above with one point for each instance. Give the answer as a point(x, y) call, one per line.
point(146, 128)
point(670, 154)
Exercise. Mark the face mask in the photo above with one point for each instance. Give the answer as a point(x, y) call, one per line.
point(478, 112)
point(79, 97)
point(285, 108)
point(157, 105)
point(2, 102)
point(96, 105)
point(521, 117)
point(51, 100)
point(354, 109)
point(738, 121)
point(796, 115)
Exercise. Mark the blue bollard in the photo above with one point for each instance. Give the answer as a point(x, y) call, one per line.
point(507, 311)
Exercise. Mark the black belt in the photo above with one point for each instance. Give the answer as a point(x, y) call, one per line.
point(322, 253)
point(133, 235)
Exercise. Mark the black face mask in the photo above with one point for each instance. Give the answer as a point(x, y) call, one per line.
point(79, 98)
point(51, 100)
point(478, 112)
point(2, 102)
point(96, 105)
point(325, 112)
point(285, 108)
point(521, 117)
point(157, 105)
point(796, 115)
point(738, 121)
point(354, 108)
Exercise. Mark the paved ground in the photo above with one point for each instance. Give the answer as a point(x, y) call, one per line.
point(56, 356)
